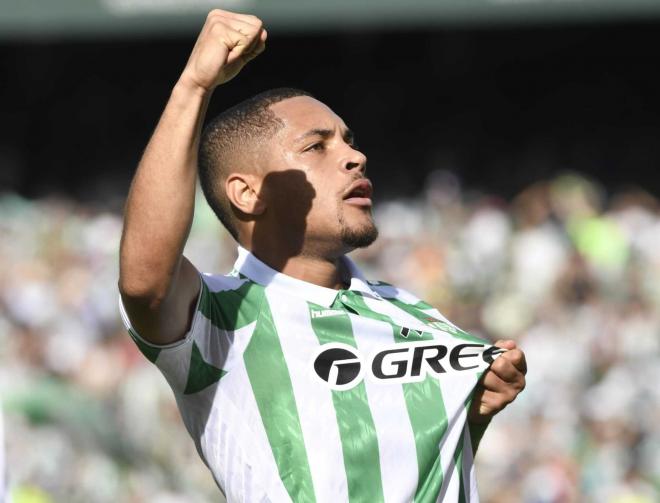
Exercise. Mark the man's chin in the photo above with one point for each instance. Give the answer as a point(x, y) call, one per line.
point(359, 237)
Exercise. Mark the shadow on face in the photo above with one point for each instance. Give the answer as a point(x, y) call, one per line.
point(280, 234)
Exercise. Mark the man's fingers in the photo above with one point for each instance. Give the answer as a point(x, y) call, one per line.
point(249, 18)
point(226, 27)
point(246, 18)
point(235, 41)
point(226, 42)
point(253, 53)
point(485, 403)
point(249, 30)
point(248, 25)
point(517, 358)
point(513, 354)
point(501, 383)
point(506, 344)
point(257, 45)
point(494, 382)
point(223, 30)
point(491, 402)
point(505, 370)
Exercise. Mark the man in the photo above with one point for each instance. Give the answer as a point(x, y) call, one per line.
point(297, 379)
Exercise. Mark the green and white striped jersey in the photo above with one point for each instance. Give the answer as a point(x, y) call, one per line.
point(295, 392)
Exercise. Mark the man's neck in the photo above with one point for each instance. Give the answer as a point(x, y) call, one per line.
point(328, 273)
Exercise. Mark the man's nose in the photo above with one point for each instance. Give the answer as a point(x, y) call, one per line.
point(356, 161)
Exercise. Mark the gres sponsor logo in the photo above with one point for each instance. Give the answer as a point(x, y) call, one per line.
point(339, 365)
point(342, 367)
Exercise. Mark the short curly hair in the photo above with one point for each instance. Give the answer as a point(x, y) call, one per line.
point(229, 138)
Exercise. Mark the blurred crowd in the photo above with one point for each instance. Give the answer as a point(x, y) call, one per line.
point(568, 271)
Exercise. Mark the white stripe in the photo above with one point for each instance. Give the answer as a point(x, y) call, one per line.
point(221, 348)
point(390, 291)
point(219, 283)
point(455, 389)
point(174, 363)
point(314, 401)
point(396, 441)
point(217, 347)
point(398, 315)
point(245, 465)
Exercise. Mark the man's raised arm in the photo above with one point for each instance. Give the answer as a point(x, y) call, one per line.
point(158, 285)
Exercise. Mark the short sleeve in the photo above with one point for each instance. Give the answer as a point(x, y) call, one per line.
point(226, 304)
point(173, 359)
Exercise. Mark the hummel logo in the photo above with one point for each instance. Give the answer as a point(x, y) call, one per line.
point(327, 312)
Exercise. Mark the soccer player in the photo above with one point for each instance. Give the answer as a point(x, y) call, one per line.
point(297, 379)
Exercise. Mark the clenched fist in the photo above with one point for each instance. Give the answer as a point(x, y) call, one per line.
point(500, 384)
point(225, 44)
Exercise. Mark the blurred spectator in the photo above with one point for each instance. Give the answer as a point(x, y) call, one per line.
point(572, 275)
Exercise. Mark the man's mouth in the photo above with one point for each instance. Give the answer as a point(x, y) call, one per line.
point(359, 193)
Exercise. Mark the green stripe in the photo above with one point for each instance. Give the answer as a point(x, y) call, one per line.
point(201, 373)
point(356, 425)
point(232, 309)
point(428, 418)
point(423, 306)
point(271, 385)
point(427, 414)
point(444, 326)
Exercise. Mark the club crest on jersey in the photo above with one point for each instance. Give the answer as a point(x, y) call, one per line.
point(342, 367)
point(405, 332)
point(439, 325)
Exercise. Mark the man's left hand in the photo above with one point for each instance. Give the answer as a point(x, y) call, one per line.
point(500, 384)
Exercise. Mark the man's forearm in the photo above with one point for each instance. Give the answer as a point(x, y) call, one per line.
point(160, 204)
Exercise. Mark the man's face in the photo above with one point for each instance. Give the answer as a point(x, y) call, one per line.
point(317, 143)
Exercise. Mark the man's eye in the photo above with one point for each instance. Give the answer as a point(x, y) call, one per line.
point(317, 146)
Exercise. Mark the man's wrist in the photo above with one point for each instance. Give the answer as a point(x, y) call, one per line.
point(187, 88)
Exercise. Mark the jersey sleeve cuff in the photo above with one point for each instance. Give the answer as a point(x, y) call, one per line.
point(142, 342)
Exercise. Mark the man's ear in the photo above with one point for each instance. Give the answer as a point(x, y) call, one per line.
point(243, 192)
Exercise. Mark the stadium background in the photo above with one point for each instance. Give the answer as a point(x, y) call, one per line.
point(514, 150)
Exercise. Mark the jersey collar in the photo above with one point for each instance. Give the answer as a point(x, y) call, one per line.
point(254, 269)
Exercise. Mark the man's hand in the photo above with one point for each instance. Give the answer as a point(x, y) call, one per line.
point(225, 44)
point(500, 384)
